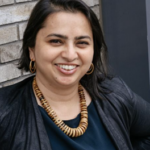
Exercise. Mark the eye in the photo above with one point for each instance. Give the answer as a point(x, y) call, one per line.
point(55, 41)
point(82, 43)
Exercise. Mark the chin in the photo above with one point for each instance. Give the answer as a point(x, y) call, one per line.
point(67, 82)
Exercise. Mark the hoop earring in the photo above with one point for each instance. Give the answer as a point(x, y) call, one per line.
point(32, 67)
point(91, 69)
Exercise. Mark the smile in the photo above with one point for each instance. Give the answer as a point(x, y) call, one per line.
point(67, 67)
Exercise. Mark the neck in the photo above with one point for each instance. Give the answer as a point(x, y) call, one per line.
point(64, 101)
point(57, 95)
point(73, 132)
point(61, 100)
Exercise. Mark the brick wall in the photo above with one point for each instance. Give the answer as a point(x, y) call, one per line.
point(13, 19)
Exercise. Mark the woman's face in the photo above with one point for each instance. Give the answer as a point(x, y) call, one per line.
point(64, 48)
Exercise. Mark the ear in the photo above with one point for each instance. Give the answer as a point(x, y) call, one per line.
point(31, 54)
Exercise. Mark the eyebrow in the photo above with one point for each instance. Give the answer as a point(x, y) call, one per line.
point(83, 37)
point(57, 35)
point(65, 37)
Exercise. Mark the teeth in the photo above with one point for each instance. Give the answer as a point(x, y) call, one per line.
point(67, 67)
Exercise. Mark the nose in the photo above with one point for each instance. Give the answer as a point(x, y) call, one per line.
point(69, 53)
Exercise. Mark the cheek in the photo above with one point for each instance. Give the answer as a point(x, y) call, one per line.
point(45, 54)
point(87, 59)
point(89, 55)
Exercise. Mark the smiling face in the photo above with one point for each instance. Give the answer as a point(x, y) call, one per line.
point(63, 50)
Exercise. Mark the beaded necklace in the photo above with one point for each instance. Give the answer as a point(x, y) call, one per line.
point(72, 132)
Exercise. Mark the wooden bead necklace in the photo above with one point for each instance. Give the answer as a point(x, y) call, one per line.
point(72, 132)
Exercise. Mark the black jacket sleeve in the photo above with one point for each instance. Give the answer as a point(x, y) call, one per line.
point(140, 125)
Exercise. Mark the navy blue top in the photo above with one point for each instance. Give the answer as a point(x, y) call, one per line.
point(95, 137)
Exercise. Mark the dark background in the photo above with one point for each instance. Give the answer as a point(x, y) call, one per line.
point(125, 31)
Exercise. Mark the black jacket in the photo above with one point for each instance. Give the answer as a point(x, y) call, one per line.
point(125, 116)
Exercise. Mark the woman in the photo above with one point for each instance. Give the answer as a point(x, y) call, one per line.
point(71, 103)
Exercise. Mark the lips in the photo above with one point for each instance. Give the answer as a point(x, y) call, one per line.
point(67, 69)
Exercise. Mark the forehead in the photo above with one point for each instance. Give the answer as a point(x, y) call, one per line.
point(61, 15)
point(67, 21)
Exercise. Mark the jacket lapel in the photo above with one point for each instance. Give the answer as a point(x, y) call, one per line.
point(115, 136)
point(43, 139)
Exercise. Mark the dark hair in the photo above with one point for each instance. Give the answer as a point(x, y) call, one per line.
point(39, 14)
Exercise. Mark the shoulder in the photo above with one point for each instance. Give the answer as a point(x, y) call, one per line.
point(124, 108)
point(118, 102)
point(9, 91)
point(117, 86)
point(121, 97)
point(10, 95)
